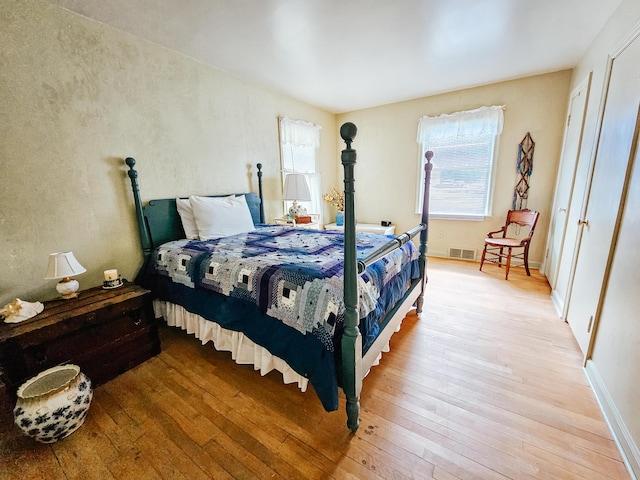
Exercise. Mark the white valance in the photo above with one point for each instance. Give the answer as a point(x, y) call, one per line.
point(482, 121)
point(299, 133)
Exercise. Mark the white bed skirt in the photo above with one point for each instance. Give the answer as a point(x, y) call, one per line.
point(243, 350)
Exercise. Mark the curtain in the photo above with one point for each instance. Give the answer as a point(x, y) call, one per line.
point(483, 121)
point(299, 133)
point(299, 141)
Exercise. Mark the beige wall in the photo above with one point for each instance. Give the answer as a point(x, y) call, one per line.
point(388, 155)
point(76, 97)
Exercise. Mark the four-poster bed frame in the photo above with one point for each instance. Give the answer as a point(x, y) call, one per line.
point(158, 222)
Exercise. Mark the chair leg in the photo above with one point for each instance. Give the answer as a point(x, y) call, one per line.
point(484, 252)
point(506, 277)
point(526, 260)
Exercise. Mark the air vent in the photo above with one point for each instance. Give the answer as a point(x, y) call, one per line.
point(462, 253)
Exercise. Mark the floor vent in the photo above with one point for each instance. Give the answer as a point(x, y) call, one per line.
point(462, 253)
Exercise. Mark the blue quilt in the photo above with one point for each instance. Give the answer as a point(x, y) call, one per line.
point(293, 277)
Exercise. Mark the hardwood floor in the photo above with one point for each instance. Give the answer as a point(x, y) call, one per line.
point(487, 383)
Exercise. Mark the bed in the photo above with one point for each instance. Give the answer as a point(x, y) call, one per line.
point(320, 307)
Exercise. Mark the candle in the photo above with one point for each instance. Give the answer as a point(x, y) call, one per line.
point(110, 275)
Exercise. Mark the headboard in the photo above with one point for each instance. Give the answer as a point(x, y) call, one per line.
point(159, 222)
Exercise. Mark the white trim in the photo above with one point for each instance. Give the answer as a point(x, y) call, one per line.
point(623, 438)
point(626, 41)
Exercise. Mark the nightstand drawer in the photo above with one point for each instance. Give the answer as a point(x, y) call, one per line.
point(96, 340)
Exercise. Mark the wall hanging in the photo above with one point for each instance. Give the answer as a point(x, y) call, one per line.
point(524, 169)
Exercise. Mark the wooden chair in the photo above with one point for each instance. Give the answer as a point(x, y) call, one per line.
point(495, 244)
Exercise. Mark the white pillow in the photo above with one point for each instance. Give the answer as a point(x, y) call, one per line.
point(221, 216)
point(185, 211)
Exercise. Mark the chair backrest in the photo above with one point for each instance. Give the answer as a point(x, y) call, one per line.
point(524, 218)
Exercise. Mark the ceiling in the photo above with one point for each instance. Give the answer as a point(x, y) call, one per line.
point(344, 55)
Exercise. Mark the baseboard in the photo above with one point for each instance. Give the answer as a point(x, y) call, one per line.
point(622, 436)
point(557, 303)
point(432, 253)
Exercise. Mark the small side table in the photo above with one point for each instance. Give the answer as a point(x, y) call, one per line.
point(104, 332)
point(365, 227)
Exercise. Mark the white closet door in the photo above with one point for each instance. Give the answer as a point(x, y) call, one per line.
point(561, 243)
point(618, 134)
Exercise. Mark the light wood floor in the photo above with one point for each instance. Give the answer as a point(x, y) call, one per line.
point(486, 383)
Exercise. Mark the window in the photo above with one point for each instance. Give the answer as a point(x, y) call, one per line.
point(299, 142)
point(464, 146)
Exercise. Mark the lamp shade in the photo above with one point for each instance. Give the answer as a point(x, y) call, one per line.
point(62, 265)
point(296, 188)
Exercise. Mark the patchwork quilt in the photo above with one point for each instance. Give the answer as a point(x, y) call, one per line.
point(294, 275)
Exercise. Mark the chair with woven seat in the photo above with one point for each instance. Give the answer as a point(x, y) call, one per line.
point(497, 242)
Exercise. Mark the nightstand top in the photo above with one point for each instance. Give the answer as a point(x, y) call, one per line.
point(365, 227)
point(314, 225)
point(59, 309)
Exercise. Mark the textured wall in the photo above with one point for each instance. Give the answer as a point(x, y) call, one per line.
point(76, 97)
point(387, 146)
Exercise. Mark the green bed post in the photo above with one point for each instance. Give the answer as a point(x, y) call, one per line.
point(259, 165)
point(422, 260)
point(351, 339)
point(145, 238)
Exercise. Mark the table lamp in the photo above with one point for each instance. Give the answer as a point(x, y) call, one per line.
point(63, 265)
point(296, 188)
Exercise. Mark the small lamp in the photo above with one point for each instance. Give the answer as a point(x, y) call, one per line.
point(296, 188)
point(63, 265)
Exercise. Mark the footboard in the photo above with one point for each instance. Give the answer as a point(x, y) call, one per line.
point(354, 364)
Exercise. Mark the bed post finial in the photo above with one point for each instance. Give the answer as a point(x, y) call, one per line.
point(428, 155)
point(348, 132)
point(351, 338)
point(259, 165)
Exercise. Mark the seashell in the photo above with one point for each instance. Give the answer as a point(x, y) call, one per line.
point(19, 310)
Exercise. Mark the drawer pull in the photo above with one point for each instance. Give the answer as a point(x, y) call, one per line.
point(92, 317)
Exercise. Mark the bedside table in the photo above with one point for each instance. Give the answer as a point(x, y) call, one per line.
point(365, 227)
point(104, 332)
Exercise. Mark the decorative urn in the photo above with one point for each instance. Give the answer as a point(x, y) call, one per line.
point(53, 404)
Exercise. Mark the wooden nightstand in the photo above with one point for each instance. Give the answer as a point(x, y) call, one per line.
point(365, 227)
point(104, 332)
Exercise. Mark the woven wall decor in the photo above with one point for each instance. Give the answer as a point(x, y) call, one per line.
point(524, 170)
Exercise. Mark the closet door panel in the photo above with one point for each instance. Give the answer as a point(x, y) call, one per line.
point(568, 199)
point(618, 135)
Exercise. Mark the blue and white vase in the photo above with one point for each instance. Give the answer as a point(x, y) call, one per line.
point(53, 404)
point(340, 218)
